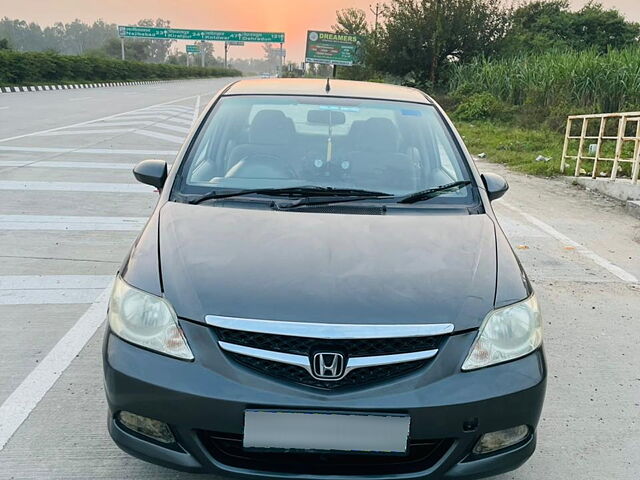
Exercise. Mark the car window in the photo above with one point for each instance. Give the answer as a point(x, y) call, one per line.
point(253, 142)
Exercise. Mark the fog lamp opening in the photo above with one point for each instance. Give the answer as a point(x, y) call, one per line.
point(491, 442)
point(148, 427)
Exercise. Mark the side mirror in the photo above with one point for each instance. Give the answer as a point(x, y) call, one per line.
point(496, 185)
point(151, 172)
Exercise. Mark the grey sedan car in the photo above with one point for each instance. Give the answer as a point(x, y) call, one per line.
point(323, 291)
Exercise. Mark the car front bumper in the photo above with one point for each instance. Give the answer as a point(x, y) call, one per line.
point(212, 393)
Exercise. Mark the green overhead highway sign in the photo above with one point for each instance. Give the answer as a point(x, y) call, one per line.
point(202, 35)
point(331, 48)
point(193, 49)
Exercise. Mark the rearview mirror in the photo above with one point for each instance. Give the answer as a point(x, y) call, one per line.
point(151, 172)
point(496, 185)
point(325, 117)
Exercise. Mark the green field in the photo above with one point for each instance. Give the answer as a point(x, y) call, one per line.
point(515, 109)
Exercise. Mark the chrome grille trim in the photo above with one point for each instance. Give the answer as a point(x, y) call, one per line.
point(288, 358)
point(329, 331)
point(303, 361)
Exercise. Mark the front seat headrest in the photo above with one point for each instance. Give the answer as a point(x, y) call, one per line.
point(377, 134)
point(271, 127)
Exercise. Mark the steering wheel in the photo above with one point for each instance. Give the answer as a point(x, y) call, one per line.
point(261, 165)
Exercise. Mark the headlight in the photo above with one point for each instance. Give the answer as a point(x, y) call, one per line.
point(146, 320)
point(507, 333)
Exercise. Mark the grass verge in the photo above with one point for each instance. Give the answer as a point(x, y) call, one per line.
point(513, 146)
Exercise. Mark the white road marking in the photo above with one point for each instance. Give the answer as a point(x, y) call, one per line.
point(48, 297)
point(196, 111)
point(51, 289)
point(59, 164)
point(86, 132)
point(581, 249)
point(4, 108)
point(109, 123)
point(70, 223)
point(117, 115)
point(173, 128)
point(75, 187)
point(156, 117)
point(17, 407)
point(106, 151)
point(45, 282)
point(178, 120)
point(171, 109)
point(162, 136)
point(515, 229)
point(170, 112)
point(79, 99)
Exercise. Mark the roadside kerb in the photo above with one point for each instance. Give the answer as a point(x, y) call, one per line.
point(74, 86)
point(622, 190)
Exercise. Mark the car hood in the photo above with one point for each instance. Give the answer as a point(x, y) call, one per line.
point(331, 268)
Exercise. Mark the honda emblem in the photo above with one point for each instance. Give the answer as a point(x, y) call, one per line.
point(328, 365)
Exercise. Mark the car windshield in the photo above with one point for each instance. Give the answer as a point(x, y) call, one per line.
point(258, 142)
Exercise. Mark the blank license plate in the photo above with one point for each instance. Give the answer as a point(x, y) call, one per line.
point(311, 431)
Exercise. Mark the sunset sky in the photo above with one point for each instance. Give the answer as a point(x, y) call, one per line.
point(294, 17)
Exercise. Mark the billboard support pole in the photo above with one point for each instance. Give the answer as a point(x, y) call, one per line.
point(122, 47)
point(202, 54)
point(335, 70)
point(226, 52)
point(281, 58)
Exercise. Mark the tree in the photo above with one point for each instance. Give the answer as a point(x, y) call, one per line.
point(421, 36)
point(351, 21)
point(179, 58)
point(22, 35)
point(158, 49)
point(209, 54)
point(540, 25)
point(133, 49)
point(4, 44)
point(593, 26)
point(272, 56)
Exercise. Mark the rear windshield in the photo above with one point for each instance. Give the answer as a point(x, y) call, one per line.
point(251, 142)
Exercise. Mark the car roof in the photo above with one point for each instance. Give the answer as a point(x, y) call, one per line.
point(317, 86)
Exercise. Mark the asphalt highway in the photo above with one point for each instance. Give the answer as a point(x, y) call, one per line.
point(70, 209)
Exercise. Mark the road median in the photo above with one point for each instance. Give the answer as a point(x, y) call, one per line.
point(20, 69)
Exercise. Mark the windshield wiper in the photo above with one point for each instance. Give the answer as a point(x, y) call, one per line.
point(433, 192)
point(306, 201)
point(304, 191)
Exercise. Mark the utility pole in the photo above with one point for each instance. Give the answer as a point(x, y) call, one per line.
point(281, 58)
point(376, 14)
point(122, 47)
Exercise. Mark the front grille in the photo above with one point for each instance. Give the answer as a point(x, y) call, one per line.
point(360, 376)
point(303, 346)
point(228, 450)
point(350, 348)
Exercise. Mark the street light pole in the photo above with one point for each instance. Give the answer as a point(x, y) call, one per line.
point(376, 13)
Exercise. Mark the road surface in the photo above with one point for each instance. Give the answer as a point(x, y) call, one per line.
point(70, 208)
